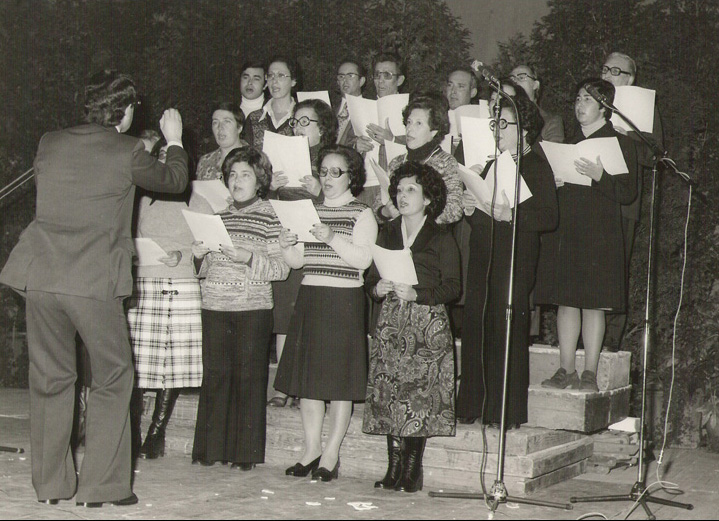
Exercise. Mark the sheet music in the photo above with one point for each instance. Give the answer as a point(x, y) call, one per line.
point(321, 95)
point(562, 156)
point(215, 193)
point(289, 154)
point(478, 140)
point(395, 265)
point(207, 228)
point(637, 104)
point(299, 216)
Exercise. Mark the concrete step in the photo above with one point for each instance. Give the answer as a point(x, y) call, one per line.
point(577, 410)
point(612, 373)
point(535, 457)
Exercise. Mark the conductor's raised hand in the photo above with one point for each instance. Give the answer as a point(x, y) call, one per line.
point(171, 125)
point(287, 238)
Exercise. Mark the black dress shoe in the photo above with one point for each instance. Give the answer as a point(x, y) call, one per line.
point(48, 501)
point(299, 470)
point(243, 466)
point(467, 420)
point(130, 500)
point(322, 474)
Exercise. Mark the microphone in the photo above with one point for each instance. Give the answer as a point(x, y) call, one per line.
point(601, 98)
point(478, 68)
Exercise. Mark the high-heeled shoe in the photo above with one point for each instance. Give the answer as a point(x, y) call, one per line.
point(322, 474)
point(299, 470)
point(278, 401)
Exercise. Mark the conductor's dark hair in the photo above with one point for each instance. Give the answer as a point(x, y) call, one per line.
point(106, 96)
point(603, 87)
point(354, 161)
point(258, 161)
point(433, 187)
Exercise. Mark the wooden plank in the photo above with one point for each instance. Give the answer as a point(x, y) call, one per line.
point(613, 371)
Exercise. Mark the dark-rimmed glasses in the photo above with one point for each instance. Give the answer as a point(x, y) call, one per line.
point(349, 75)
point(614, 71)
point(332, 172)
point(302, 122)
point(522, 76)
point(384, 75)
point(502, 124)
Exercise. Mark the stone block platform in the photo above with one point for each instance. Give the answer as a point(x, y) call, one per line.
point(535, 457)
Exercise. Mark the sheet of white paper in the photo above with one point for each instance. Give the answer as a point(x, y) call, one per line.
point(395, 265)
point(289, 154)
point(561, 158)
point(391, 107)
point(148, 252)
point(383, 180)
point(480, 111)
point(478, 141)
point(393, 150)
point(637, 104)
point(215, 193)
point(322, 95)
point(506, 177)
point(299, 216)
point(362, 112)
point(446, 144)
point(475, 184)
point(372, 155)
point(208, 228)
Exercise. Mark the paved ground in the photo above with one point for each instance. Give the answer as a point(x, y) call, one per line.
point(172, 488)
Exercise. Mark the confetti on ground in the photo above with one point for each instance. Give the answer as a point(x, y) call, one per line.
point(264, 497)
point(329, 499)
point(313, 503)
point(266, 491)
point(360, 505)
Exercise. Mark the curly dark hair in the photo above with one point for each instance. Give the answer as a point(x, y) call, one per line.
point(327, 121)
point(354, 161)
point(436, 107)
point(429, 179)
point(603, 86)
point(259, 162)
point(106, 96)
point(529, 117)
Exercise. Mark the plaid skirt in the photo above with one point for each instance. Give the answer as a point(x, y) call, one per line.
point(165, 321)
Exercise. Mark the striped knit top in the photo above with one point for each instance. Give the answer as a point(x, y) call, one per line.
point(342, 262)
point(235, 286)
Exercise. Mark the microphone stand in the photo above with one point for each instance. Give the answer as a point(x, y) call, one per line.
point(498, 493)
point(639, 494)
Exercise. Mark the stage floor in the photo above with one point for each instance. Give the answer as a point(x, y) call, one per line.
point(172, 488)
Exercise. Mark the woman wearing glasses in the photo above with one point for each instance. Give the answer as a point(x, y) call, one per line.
point(582, 266)
point(410, 389)
point(484, 322)
point(283, 76)
point(316, 120)
point(325, 358)
point(426, 122)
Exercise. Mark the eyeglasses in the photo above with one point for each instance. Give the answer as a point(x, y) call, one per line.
point(303, 121)
point(615, 71)
point(384, 75)
point(332, 172)
point(349, 75)
point(502, 124)
point(280, 76)
point(522, 76)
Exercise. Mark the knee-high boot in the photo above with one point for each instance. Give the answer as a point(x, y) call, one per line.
point(154, 445)
point(412, 476)
point(394, 468)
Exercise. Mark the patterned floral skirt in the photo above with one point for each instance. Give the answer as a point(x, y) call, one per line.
point(410, 387)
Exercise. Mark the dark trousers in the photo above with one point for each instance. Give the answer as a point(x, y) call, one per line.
point(52, 322)
point(616, 323)
point(231, 416)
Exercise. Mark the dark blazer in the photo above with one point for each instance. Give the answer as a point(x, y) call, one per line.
point(436, 261)
point(80, 242)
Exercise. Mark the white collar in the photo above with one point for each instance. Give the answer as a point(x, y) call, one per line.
point(267, 109)
point(342, 200)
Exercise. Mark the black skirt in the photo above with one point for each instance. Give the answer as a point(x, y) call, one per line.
point(325, 355)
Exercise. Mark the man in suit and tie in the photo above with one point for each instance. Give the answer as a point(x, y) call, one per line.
point(351, 78)
point(73, 263)
point(526, 77)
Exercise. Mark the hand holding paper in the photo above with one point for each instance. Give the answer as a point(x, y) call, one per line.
point(148, 252)
point(395, 265)
point(208, 229)
point(289, 154)
point(297, 216)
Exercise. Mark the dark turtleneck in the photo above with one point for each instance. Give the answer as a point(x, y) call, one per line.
point(421, 153)
point(244, 204)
